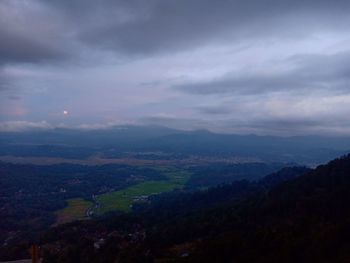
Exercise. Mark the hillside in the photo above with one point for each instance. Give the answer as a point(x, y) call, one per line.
point(302, 220)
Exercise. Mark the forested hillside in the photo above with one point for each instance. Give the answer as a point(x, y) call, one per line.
point(282, 218)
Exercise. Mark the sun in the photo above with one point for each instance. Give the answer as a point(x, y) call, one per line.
point(65, 112)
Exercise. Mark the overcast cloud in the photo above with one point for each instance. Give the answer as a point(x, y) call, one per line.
point(247, 66)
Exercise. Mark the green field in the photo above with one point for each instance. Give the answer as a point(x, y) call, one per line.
point(123, 199)
point(75, 210)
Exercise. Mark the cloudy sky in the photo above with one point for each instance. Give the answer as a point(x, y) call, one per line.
point(243, 66)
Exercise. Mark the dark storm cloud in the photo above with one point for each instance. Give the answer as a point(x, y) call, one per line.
point(143, 27)
point(29, 33)
point(310, 72)
point(16, 48)
point(263, 65)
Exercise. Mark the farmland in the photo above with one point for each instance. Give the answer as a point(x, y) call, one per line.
point(76, 210)
point(123, 199)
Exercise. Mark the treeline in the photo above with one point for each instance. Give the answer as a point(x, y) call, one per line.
point(215, 174)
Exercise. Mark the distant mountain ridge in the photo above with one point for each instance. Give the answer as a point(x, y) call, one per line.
point(113, 142)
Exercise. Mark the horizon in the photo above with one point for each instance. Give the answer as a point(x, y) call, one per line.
point(17, 128)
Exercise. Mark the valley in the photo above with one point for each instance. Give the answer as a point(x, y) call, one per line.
point(172, 192)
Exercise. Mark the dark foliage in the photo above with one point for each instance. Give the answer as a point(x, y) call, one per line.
point(30, 194)
point(175, 226)
point(215, 174)
point(294, 215)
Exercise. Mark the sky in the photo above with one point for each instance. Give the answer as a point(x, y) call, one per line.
point(278, 67)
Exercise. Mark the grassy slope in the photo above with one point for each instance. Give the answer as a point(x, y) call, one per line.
point(75, 210)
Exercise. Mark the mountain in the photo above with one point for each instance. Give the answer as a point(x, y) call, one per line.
point(122, 141)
